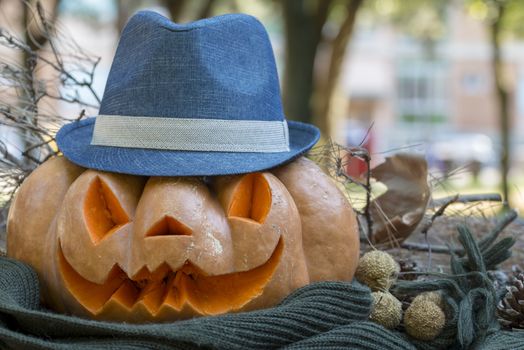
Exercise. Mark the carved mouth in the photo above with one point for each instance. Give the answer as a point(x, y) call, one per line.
point(165, 290)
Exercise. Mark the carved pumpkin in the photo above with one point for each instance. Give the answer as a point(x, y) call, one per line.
point(121, 247)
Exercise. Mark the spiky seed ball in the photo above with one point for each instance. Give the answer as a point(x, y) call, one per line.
point(434, 297)
point(387, 310)
point(424, 320)
point(377, 269)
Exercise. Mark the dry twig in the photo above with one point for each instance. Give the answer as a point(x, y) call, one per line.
point(334, 159)
point(29, 99)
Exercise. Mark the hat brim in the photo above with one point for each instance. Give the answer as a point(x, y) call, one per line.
point(74, 140)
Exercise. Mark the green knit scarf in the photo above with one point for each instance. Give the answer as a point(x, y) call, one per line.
point(327, 315)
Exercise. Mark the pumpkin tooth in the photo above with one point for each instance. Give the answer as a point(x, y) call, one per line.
point(152, 296)
point(175, 296)
point(158, 274)
point(126, 295)
point(94, 296)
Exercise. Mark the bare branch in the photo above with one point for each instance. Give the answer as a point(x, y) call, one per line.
point(367, 208)
point(467, 198)
point(485, 242)
point(438, 213)
point(28, 98)
point(424, 247)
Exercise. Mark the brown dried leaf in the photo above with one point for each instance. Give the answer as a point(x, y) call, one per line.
point(400, 209)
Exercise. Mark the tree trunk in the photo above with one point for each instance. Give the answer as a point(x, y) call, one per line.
point(35, 34)
point(303, 26)
point(175, 8)
point(207, 9)
point(38, 24)
point(123, 12)
point(338, 53)
point(502, 97)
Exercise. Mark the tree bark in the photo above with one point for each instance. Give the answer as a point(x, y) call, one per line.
point(303, 26)
point(338, 53)
point(175, 8)
point(36, 35)
point(122, 14)
point(38, 24)
point(207, 9)
point(502, 97)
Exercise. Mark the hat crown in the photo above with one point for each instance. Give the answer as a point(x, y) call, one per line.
point(217, 68)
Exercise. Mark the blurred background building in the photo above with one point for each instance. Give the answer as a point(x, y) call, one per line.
point(441, 96)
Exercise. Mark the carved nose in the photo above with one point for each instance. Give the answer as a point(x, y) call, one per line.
point(169, 226)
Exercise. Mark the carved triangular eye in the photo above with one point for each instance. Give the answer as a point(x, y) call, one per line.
point(252, 198)
point(169, 227)
point(102, 210)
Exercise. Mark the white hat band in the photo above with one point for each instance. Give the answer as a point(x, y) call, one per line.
point(181, 134)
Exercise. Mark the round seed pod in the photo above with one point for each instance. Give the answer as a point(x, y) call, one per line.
point(424, 320)
point(378, 270)
point(434, 297)
point(387, 310)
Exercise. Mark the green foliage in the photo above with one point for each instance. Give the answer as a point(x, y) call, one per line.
point(420, 19)
point(426, 19)
point(511, 20)
point(429, 119)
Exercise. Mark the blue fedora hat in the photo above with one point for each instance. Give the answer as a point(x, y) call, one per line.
point(184, 100)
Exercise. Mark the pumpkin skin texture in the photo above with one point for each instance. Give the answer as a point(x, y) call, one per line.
point(329, 226)
point(34, 209)
point(127, 248)
point(252, 238)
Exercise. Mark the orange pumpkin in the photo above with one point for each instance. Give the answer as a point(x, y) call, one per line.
point(121, 247)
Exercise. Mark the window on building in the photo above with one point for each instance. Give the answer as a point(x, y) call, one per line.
point(421, 94)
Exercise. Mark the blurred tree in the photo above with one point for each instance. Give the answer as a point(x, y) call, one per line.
point(427, 26)
point(495, 24)
point(504, 18)
point(304, 22)
point(175, 8)
point(338, 52)
point(35, 34)
point(181, 10)
point(124, 8)
point(38, 21)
